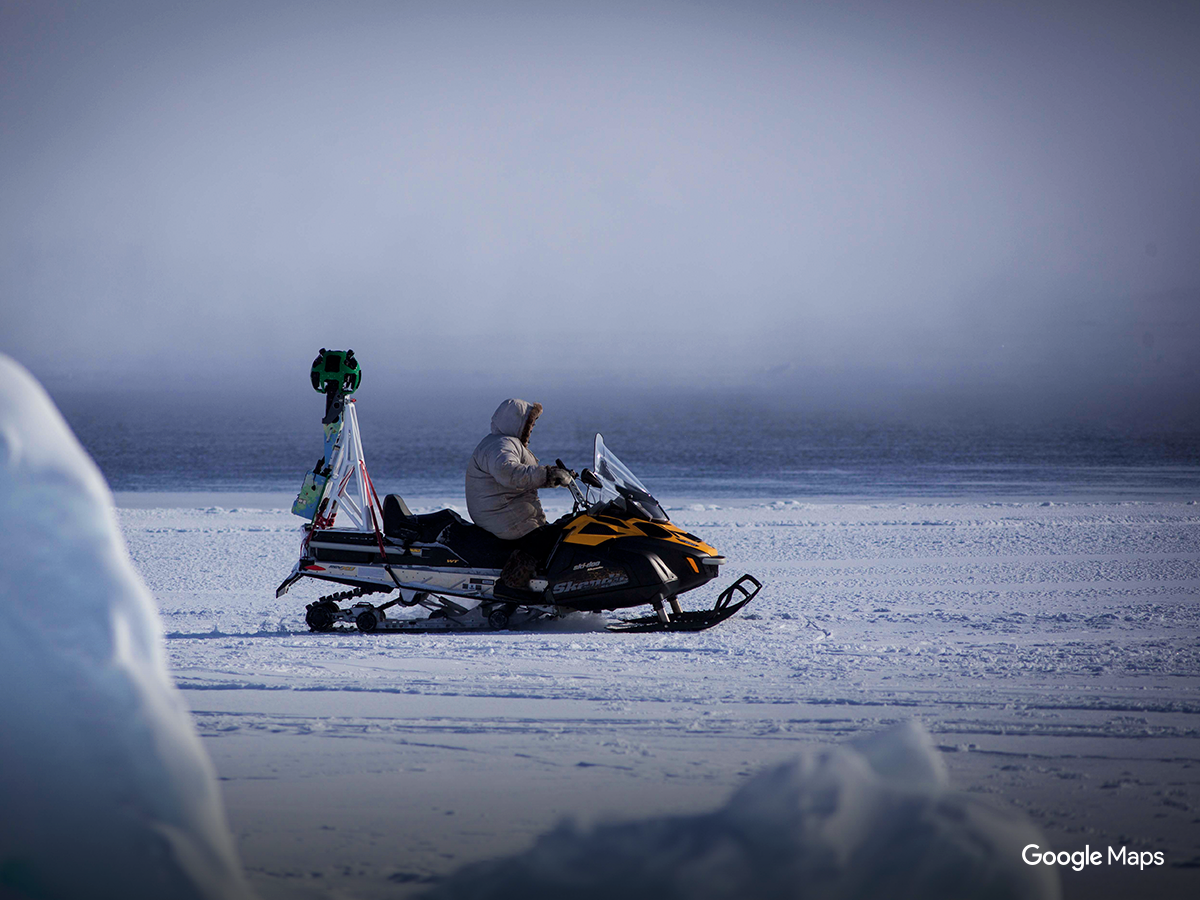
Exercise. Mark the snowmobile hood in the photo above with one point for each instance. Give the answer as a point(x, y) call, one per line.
point(515, 418)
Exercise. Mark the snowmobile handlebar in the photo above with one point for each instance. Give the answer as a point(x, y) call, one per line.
point(580, 500)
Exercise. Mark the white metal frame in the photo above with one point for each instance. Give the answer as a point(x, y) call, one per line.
point(350, 493)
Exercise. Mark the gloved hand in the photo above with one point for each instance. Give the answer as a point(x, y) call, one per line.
point(556, 477)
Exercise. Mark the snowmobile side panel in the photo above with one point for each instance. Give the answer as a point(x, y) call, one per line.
point(455, 582)
point(623, 573)
point(592, 531)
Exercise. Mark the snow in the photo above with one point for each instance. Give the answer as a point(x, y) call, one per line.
point(870, 819)
point(1050, 651)
point(106, 788)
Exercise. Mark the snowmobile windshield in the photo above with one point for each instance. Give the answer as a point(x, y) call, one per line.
point(619, 483)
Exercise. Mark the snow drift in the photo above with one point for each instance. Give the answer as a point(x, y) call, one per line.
point(104, 786)
point(871, 819)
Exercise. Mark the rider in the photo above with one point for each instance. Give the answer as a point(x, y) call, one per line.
point(503, 478)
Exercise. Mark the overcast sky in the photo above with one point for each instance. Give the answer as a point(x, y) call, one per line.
point(793, 195)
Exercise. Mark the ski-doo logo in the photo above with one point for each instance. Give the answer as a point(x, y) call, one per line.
point(594, 580)
point(344, 570)
point(590, 564)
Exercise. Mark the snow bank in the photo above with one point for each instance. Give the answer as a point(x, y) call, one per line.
point(105, 790)
point(870, 819)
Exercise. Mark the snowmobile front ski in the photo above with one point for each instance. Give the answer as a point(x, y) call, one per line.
point(683, 620)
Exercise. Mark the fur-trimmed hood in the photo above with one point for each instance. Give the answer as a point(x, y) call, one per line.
point(503, 475)
point(515, 418)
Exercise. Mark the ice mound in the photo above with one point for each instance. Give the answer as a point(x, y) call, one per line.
point(870, 819)
point(105, 790)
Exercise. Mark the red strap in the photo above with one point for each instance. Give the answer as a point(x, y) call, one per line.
point(362, 466)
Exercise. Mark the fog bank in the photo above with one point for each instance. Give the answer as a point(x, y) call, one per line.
point(825, 203)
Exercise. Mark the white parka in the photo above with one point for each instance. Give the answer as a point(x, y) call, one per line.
point(503, 476)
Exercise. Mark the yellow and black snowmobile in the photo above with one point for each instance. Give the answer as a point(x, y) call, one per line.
point(617, 549)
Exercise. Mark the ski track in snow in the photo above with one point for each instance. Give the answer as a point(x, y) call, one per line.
point(1027, 637)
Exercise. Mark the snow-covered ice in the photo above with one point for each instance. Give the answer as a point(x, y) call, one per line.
point(1051, 651)
point(105, 788)
point(869, 819)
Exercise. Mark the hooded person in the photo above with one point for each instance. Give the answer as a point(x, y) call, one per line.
point(503, 478)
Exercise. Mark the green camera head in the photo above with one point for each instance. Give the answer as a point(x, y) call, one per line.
point(336, 372)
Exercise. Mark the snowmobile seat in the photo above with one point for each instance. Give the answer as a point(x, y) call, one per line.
point(399, 522)
point(394, 504)
point(477, 546)
point(397, 517)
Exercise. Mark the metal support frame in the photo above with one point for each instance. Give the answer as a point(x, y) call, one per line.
point(349, 491)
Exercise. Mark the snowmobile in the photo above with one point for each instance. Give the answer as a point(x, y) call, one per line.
point(617, 548)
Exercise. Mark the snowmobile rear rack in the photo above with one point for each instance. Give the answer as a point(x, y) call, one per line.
point(696, 621)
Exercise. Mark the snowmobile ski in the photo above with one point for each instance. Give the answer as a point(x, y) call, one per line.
point(683, 620)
